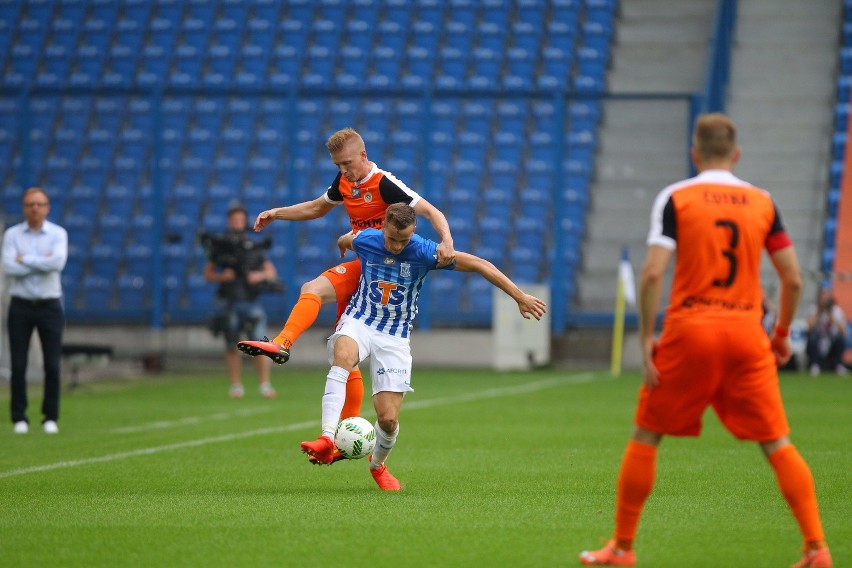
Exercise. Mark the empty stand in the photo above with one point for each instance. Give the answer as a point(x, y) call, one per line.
point(489, 159)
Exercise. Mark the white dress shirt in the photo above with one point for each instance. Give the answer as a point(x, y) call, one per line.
point(42, 253)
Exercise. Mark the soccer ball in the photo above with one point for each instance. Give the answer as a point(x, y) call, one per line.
point(355, 438)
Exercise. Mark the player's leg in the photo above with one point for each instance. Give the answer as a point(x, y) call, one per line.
point(750, 406)
point(390, 375)
point(675, 407)
point(797, 486)
point(354, 395)
point(635, 482)
point(345, 277)
point(335, 284)
point(387, 406)
point(313, 295)
point(347, 347)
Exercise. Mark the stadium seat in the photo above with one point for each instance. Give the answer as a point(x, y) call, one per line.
point(175, 260)
point(96, 292)
point(200, 293)
point(138, 261)
point(445, 293)
point(133, 292)
point(480, 296)
point(103, 261)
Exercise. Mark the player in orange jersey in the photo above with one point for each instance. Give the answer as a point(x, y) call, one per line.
point(719, 226)
point(365, 191)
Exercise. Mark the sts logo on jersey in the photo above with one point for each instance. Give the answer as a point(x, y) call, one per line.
point(387, 293)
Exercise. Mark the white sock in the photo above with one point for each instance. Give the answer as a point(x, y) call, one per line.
point(333, 399)
point(384, 445)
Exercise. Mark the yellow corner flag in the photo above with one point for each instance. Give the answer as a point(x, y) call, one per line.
point(625, 294)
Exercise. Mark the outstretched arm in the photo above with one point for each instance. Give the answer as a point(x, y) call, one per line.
point(527, 304)
point(446, 252)
point(304, 211)
point(650, 286)
point(787, 265)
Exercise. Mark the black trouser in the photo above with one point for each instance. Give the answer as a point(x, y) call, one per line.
point(827, 360)
point(48, 317)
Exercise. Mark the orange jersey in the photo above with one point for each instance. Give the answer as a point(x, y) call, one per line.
point(367, 200)
point(719, 226)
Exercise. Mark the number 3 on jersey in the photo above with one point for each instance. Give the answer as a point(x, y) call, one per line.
point(728, 253)
point(386, 293)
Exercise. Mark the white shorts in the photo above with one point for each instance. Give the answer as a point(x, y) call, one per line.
point(390, 357)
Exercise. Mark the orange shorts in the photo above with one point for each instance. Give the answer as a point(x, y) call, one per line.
point(344, 277)
point(727, 365)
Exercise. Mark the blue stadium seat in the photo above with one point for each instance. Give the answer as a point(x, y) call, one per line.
point(119, 200)
point(200, 293)
point(526, 36)
point(174, 260)
point(844, 87)
point(138, 260)
point(133, 292)
point(163, 33)
point(103, 261)
point(79, 227)
point(835, 173)
point(530, 232)
point(446, 293)
point(96, 291)
point(841, 116)
point(833, 200)
point(480, 296)
point(222, 59)
point(153, 64)
point(188, 64)
point(829, 231)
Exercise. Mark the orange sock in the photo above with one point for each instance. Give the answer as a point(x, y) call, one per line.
point(302, 316)
point(635, 482)
point(797, 486)
point(354, 395)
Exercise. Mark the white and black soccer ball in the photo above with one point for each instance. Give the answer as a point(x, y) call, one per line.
point(355, 438)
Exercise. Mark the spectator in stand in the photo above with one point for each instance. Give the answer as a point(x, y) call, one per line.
point(826, 335)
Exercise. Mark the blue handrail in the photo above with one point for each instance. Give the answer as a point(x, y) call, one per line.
point(719, 57)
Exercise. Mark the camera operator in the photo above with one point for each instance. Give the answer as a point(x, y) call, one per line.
point(242, 270)
point(826, 335)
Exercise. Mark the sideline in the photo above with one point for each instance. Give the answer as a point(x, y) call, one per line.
point(189, 420)
point(534, 386)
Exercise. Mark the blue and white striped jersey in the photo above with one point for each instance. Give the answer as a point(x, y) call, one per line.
point(389, 289)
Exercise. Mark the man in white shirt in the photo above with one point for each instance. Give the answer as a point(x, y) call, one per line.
point(34, 254)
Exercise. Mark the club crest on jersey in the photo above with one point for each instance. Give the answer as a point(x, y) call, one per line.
point(368, 197)
point(356, 191)
point(390, 260)
point(340, 269)
point(404, 269)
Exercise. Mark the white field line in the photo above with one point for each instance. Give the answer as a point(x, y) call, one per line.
point(469, 397)
point(189, 420)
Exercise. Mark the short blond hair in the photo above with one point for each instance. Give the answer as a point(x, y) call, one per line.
point(714, 137)
point(338, 140)
point(32, 190)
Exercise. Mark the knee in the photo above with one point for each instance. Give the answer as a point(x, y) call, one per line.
point(387, 423)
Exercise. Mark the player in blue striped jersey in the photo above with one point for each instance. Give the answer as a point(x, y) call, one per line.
point(377, 324)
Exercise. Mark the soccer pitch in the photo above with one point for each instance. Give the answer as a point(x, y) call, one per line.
point(499, 469)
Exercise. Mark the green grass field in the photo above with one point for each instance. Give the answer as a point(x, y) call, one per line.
point(499, 470)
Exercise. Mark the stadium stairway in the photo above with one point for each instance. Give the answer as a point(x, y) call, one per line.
point(782, 95)
point(641, 143)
